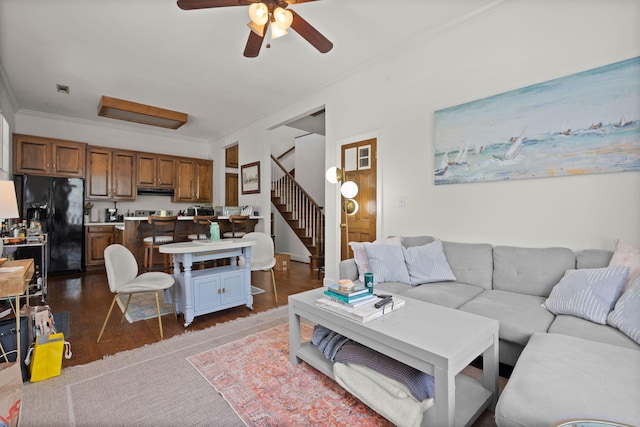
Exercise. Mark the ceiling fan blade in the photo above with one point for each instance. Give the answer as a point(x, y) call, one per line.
point(254, 43)
point(204, 4)
point(310, 34)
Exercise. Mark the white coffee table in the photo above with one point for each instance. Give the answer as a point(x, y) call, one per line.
point(433, 339)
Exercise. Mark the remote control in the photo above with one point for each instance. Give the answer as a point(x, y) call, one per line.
point(383, 302)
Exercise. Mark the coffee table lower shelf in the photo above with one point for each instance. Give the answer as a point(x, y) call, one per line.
point(471, 397)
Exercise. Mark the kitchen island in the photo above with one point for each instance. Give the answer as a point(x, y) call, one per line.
point(212, 289)
point(136, 228)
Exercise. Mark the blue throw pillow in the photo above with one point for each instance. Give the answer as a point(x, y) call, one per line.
point(589, 293)
point(626, 315)
point(387, 263)
point(427, 264)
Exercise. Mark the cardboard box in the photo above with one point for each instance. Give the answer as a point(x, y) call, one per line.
point(283, 262)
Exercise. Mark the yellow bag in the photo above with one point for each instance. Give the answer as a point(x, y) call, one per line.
point(46, 361)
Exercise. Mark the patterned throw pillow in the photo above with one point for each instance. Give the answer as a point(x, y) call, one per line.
point(387, 263)
point(427, 264)
point(589, 293)
point(626, 315)
point(629, 255)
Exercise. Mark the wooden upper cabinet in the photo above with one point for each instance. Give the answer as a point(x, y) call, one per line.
point(98, 181)
point(110, 174)
point(123, 173)
point(185, 181)
point(194, 181)
point(231, 157)
point(166, 172)
point(155, 171)
point(204, 190)
point(35, 155)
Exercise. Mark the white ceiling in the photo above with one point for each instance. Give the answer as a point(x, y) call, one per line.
point(152, 52)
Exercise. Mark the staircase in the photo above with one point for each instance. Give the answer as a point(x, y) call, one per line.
point(304, 216)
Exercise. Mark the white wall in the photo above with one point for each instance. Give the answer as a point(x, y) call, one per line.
point(309, 173)
point(7, 108)
point(522, 43)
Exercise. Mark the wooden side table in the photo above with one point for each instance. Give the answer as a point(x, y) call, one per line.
point(14, 284)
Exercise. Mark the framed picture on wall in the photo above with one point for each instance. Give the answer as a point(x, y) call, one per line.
point(250, 178)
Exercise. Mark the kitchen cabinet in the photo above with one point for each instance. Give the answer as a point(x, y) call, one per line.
point(155, 171)
point(97, 238)
point(35, 155)
point(217, 289)
point(204, 191)
point(194, 181)
point(231, 157)
point(110, 174)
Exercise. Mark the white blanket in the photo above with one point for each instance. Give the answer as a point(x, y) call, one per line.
point(386, 396)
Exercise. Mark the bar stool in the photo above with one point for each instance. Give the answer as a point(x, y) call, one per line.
point(239, 226)
point(163, 230)
point(202, 233)
point(202, 226)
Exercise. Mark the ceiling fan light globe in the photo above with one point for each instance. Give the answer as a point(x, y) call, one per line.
point(259, 13)
point(276, 31)
point(283, 18)
point(258, 29)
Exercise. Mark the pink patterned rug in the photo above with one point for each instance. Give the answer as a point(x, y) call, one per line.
point(255, 377)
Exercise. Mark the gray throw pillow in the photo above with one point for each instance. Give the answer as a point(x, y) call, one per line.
point(427, 264)
point(387, 263)
point(626, 315)
point(589, 293)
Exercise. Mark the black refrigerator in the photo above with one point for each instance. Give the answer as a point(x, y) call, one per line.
point(58, 204)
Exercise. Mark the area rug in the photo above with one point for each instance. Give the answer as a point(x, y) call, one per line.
point(255, 376)
point(143, 306)
point(152, 385)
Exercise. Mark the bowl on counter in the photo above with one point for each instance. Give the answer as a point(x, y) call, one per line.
point(3, 260)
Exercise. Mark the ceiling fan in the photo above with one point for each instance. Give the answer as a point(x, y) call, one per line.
point(265, 14)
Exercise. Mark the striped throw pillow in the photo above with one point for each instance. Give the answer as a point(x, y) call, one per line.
point(589, 293)
point(427, 264)
point(626, 315)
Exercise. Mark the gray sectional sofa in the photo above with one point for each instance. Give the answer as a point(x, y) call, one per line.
point(510, 284)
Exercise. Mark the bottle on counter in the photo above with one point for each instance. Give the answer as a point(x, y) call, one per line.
point(214, 231)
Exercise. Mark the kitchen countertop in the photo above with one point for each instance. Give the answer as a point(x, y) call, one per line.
point(88, 224)
point(180, 218)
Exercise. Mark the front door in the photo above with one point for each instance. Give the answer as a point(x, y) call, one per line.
point(360, 166)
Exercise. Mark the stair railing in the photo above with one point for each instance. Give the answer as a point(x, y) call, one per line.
point(305, 212)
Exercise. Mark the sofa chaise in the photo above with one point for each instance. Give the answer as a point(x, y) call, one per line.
point(564, 355)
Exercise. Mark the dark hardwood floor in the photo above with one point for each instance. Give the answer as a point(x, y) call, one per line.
point(86, 297)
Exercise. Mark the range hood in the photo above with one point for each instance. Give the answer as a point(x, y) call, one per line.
point(155, 191)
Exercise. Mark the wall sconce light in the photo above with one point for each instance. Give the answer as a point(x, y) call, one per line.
point(348, 191)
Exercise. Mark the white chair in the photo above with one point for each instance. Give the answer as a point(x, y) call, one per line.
point(122, 275)
point(262, 256)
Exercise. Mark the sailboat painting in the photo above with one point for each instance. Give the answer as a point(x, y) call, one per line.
point(584, 123)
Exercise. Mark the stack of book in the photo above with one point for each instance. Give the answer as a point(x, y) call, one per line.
point(364, 312)
point(355, 297)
